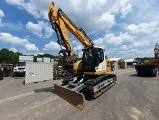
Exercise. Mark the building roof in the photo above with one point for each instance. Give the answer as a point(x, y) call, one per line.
point(117, 59)
point(130, 60)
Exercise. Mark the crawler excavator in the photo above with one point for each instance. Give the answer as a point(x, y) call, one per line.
point(95, 79)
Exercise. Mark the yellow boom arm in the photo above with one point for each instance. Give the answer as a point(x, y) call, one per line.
point(62, 22)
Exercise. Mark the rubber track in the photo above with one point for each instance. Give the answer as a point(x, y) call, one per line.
point(95, 81)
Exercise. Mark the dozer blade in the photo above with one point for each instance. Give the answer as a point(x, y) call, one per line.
point(73, 97)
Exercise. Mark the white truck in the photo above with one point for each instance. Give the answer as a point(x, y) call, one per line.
point(19, 71)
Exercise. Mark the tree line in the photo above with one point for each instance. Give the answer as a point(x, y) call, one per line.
point(10, 57)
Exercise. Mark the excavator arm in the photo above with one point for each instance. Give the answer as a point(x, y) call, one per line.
point(61, 23)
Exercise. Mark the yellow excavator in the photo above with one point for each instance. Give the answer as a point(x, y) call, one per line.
point(94, 79)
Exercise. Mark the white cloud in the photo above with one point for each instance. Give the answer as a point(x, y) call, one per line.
point(52, 46)
point(144, 11)
point(31, 47)
point(1, 16)
point(111, 39)
point(140, 44)
point(125, 7)
point(15, 2)
point(31, 7)
point(107, 20)
point(146, 28)
point(124, 47)
point(1, 13)
point(13, 49)
point(136, 49)
point(10, 40)
point(85, 14)
point(134, 52)
point(41, 29)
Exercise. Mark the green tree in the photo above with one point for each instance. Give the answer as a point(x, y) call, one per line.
point(7, 56)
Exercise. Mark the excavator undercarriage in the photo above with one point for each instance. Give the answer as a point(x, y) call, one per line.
point(89, 87)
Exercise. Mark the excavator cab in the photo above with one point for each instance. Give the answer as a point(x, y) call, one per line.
point(93, 60)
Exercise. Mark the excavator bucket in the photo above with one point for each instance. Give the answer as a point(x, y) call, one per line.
point(73, 97)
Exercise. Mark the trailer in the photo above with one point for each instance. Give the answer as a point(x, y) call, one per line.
point(147, 70)
point(152, 67)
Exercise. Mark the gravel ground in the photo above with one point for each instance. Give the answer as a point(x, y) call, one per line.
point(132, 98)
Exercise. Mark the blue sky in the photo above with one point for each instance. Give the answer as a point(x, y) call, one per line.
point(124, 28)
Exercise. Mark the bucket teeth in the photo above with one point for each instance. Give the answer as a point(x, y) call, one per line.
point(73, 97)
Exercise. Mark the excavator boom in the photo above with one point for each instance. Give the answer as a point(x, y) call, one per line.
point(61, 21)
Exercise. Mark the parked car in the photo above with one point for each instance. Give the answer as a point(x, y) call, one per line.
point(19, 71)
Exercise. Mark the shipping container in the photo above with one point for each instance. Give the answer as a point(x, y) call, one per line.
point(26, 58)
point(38, 71)
point(46, 59)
